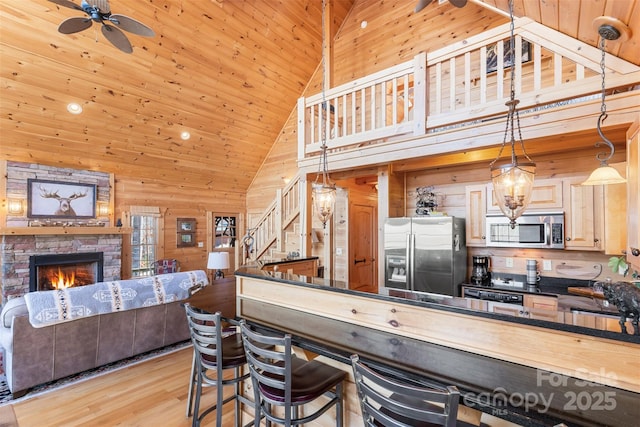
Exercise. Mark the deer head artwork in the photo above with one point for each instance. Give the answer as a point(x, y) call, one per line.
point(64, 209)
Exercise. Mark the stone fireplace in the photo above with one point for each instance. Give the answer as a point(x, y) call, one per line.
point(18, 251)
point(49, 272)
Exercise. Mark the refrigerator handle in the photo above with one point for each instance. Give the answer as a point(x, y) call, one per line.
point(409, 261)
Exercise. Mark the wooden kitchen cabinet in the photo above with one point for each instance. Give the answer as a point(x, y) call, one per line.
point(476, 210)
point(633, 195)
point(543, 302)
point(526, 312)
point(582, 228)
point(546, 196)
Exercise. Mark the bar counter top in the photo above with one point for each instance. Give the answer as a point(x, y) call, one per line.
point(454, 304)
point(529, 372)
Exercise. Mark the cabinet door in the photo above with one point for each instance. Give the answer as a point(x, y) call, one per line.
point(541, 302)
point(546, 196)
point(476, 210)
point(505, 308)
point(633, 195)
point(544, 314)
point(582, 228)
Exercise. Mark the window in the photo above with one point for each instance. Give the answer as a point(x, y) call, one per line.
point(144, 240)
point(225, 232)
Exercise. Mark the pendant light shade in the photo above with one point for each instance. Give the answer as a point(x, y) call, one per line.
point(512, 182)
point(324, 201)
point(323, 190)
point(512, 186)
point(605, 174)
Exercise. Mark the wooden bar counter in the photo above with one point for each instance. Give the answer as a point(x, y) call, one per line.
point(524, 371)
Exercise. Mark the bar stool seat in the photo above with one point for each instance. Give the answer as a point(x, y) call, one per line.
point(282, 380)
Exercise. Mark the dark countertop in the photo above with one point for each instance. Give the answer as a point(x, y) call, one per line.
point(285, 260)
point(448, 303)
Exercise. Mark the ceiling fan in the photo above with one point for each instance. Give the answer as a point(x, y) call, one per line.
point(100, 12)
point(424, 3)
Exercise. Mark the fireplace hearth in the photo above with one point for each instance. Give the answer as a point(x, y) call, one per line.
point(48, 272)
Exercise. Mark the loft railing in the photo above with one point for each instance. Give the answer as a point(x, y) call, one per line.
point(465, 83)
point(268, 233)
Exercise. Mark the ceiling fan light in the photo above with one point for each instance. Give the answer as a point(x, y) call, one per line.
point(604, 175)
point(512, 186)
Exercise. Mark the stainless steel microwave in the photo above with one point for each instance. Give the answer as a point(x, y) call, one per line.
point(532, 230)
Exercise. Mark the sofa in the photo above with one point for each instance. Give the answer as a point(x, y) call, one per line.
point(49, 335)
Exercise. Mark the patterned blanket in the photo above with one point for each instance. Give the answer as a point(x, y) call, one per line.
point(49, 307)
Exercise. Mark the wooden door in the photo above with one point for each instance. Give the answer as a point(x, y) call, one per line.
point(362, 248)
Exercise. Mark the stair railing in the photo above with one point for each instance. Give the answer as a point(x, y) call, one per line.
point(269, 232)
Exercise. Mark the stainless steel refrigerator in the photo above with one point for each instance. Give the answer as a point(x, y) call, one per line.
point(425, 254)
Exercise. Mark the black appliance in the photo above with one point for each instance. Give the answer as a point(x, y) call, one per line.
point(491, 295)
point(480, 275)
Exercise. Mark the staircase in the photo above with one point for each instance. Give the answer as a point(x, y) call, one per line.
point(278, 231)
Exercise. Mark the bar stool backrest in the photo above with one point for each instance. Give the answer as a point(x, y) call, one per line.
point(206, 336)
point(391, 403)
point(269, 360)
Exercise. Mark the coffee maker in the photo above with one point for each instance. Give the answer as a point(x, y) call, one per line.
point(480, 275)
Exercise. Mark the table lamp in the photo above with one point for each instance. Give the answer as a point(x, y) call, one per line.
point(218, 261)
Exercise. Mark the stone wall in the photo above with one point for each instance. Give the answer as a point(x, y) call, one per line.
point(16, 250)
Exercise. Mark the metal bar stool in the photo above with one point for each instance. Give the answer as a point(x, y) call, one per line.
point(280, 379)
point(390, 403)
point(214, 351)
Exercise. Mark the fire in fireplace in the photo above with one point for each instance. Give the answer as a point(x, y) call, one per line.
point(48, 272)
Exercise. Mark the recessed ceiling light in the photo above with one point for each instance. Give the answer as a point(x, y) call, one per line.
point(364, 24)
point(185, 135)
point(74, 108)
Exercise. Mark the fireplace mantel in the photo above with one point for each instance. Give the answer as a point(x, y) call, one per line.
point(43, 231)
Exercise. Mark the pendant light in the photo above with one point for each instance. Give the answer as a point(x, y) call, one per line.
point(323, 190)
point(512, 182)
point(605, 174)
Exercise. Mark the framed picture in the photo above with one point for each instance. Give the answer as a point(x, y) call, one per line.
point(186, 229)
point(59, 199)
point(186, 239)
point(492, 55)
point(186, 224)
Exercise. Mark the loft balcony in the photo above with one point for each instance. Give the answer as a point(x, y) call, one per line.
point(453, 99)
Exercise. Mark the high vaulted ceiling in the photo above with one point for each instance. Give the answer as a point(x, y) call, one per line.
point(228, 71)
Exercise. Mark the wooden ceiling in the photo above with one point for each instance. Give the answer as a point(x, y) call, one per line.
point(227, 71)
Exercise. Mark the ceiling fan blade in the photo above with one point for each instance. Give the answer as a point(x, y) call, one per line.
point(421, 5)
point(67, 3)
point(117, 38)
point(131, 25)
point(458, 3)
point(74, 25)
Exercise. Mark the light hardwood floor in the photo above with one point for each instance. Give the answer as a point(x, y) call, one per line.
point(151, 393)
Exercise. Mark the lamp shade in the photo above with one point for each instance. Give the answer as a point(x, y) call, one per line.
point(218, 260)
point(513, 184)
point(604, 175)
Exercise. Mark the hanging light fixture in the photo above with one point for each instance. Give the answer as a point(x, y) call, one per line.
point(605, 174)
point(512, 182)
point(323, 190)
